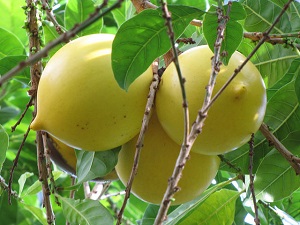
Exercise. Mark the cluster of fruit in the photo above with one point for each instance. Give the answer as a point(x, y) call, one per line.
point(80, 103)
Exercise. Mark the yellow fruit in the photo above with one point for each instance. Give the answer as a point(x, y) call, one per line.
point(65, 158)
point(235, 115)
point(156, 164)
point(79, 101)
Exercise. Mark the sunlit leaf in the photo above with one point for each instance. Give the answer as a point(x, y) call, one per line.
point(275, 178)
point(85, 212)
point(182, 211)
point(9, 44)
point(143, 38)
point(13, 18)
point(91, 165)
point(22, 180)
point(261, 14)
point(77, 11)
point(36, 187)
point(219, 208)
point(4, 141)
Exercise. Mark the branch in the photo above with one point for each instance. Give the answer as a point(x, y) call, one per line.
point(99, 12)
point(184, 152)
point(293, 160)
point(274, 39)
point(139, 144)
point(251, 154)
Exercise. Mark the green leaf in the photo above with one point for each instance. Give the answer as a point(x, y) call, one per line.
point(37, 213)
point(219, 208)
point(4, 141)
point(36, 187)
point(91, 165)
point(10, 62)
point(7, 113)
point(275, 178)
point(77, 11)
point(186, 209)
point(273, 61)
point(296, 69)
point(123, 13)
point(143, 38)
point(50, 34)
point(261, 14)
point(85, 212)
point(293, 13)
point(22, 180)
point(13, 17)
point(290, 205)
point(10, 44)
point(233, 34)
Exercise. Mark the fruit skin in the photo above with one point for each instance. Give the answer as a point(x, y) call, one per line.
point(231, 120)
point(79, 101)
point(156, 164)
point(64, 157)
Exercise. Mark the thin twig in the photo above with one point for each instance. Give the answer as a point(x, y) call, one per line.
point(99, 13)
point(13, 128)
point(293, 160)
point(15, 164)
point(51, 16)
point(6, 187)
point(232, 166)
point(274, 39)
point(139, 144)
point(251, 154)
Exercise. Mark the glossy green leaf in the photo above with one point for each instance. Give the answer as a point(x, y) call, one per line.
point(184, 210)
point(13, 18)
point(9, 44)
point(4, 141)
point(293, 12)
point(290, 205)
point(91, 165)
point(282, 116)
point(123, 13)
point(233, 33)
point(261, 14)
point(219, 208)
point(275, 178)
point(85, 212)
point(143, 38)
point(273, 61)
point(77, 11)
